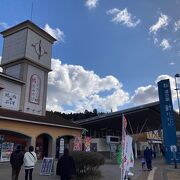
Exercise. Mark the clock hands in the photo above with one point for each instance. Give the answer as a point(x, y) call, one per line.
point(39, 49)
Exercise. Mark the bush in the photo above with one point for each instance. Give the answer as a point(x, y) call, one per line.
point(87, 163)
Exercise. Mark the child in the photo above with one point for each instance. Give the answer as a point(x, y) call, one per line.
point(143, 163)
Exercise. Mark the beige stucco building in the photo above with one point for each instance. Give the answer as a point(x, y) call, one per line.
point(26, 61)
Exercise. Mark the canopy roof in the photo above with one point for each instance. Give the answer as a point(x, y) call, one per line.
point(139, 119)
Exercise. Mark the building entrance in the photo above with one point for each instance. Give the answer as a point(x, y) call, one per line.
point(63, 142)
point(43, 145)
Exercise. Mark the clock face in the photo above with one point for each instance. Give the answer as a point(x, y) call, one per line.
point(39, 49)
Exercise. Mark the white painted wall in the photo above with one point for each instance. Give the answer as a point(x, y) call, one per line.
point(14, 71)
point(14, 46)
point(14, 92)
point(101, 144)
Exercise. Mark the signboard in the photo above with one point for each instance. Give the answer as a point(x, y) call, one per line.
point(167, 117)
point(77, 144)
point(47, 167)
point(61, 146)
point(153, 136)
point(10, 99)
point(6, 150)
point(35, 85)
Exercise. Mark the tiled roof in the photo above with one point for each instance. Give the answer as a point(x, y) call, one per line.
point(49, 119)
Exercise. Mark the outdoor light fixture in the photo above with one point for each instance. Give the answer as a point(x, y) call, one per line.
point(177, 89)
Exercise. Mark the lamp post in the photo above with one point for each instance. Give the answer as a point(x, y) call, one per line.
point(177, 89)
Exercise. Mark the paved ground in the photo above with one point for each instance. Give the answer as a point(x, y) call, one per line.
point(108, 171)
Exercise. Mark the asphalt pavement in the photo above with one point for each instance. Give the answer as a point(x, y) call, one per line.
point(109, 171)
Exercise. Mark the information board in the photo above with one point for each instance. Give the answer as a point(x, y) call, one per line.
point(47, 167)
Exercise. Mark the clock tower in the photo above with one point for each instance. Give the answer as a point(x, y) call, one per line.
point(27, 56)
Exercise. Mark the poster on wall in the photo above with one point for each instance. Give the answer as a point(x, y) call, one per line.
point(87, 144)
point(77, 144)
point(61, 149)
point(6, 150)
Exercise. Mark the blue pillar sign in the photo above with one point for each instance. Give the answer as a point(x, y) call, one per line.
point(168, 123)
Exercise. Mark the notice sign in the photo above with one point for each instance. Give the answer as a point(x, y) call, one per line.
point(47, 167)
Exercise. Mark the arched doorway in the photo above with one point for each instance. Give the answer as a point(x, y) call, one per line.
point(8, 142)
point(43, 145)
point(16, 138)
point(64, 142)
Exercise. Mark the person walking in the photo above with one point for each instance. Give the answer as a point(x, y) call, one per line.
point(30, 159)
point(66, 166)
point(16, 161)
point(148, 158)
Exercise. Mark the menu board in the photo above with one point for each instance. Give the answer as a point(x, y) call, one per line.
point(47, 167)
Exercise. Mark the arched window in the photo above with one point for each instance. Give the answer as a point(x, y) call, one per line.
point(35, 86)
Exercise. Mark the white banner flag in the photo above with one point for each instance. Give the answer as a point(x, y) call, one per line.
point(128, 158)
point(123, 145)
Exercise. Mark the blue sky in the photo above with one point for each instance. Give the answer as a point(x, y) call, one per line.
point(110, 53)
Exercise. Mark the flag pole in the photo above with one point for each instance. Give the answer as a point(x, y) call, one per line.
point(121, 148)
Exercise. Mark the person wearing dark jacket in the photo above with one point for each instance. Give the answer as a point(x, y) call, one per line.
point(16, 161)
point(148, 158)
point(65, 166)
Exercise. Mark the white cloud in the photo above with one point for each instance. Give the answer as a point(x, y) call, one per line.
point(172, 83)
point(56, 33)
point(71, 88)
point(4, 25)
point(155, 40)
point(165, 44)
point(172, 63)
point(144, 95)
point(177, 25)
point(123, 17)
point(148, 94)
point(79, 89)
point(91, 3)
point(161, 23)
point(0, 63)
